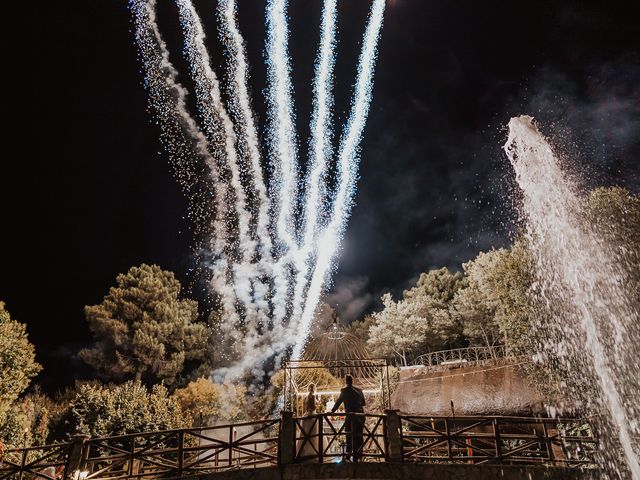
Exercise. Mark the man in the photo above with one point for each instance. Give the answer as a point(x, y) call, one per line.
point(353, 400)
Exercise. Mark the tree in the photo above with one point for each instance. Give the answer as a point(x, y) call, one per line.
point(432, 299)
point(18, 365)
point(397, 330)
point(614, 215)
point(360, 328)
point(25, 422)
point(439, 286)
point(496, 304)
point(476, 303)
point(422, 321)
point(143, 330)
point(212, 401)
point(112, 410)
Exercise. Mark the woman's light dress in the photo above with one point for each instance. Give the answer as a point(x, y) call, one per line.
point(309, 447)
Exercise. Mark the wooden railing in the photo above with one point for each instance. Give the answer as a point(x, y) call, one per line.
point(333, 438)
point(46, 462)
point(496, 440)
point(172, 453)
point(319, 438)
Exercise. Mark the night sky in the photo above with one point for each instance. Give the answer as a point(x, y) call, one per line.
point(87, 191)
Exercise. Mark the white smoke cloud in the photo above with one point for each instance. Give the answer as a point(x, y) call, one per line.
point(350, 297)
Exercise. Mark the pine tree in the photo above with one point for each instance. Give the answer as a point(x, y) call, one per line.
point(143, 331)
point(18, 364)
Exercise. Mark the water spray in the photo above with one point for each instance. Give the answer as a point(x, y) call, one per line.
point(574, 269)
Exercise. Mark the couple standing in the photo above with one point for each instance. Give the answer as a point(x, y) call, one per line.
point(353, 400)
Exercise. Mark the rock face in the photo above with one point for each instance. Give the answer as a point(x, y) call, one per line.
point(474, 390)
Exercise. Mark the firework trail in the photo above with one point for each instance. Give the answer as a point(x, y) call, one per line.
point(248, 141)
point(348, 159)
point(181, 136)
point(283, 138)
point(219, 129)
point(256, 240)
point(320, 149)
point(283, 147)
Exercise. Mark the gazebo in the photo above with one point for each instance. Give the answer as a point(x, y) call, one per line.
point(327, 360)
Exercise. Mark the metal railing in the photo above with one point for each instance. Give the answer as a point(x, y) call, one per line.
point(496, 440)
point(468, 355)
point(321, 438)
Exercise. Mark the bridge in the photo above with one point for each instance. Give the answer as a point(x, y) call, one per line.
point(393, 446)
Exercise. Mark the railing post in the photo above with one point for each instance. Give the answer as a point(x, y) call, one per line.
point(77, 456)
point(392, 440)
point(321, 438)
point(553, 449)
point(231, 446)
point(23, 462)
point(132, 454)
point(180, 451)
point(448, 433)
point(498, 442)
point(287, 438)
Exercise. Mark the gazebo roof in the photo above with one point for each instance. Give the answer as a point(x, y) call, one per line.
point(342, 353)
point(336, 344)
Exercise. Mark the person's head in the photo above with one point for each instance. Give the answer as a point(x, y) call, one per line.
point(348, 380)
point(312, 388)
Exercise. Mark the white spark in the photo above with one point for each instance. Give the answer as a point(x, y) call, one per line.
point(167, 97)
point(219, 129)
point(240, 104)
point(348, 159)
point(321, 136)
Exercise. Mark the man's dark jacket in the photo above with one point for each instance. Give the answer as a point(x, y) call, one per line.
point(353, 400)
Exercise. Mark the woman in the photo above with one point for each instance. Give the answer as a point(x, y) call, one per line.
point(308, 444)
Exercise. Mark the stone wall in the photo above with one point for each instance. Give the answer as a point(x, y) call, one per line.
point(475, 390)
point(402, 471)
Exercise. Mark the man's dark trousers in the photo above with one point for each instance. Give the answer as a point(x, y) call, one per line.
point(354, 402)
point(354, 426)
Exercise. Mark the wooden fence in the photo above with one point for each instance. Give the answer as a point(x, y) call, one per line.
point(328, 437)
point(497, 440)
point(318, 438)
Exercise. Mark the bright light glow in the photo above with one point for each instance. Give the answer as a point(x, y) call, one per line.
point(281, 119)
point(240, 106)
